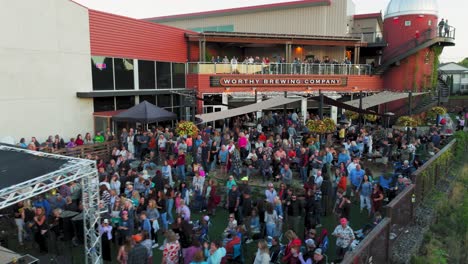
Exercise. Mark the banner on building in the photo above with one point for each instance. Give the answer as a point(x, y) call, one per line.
point(268, 81)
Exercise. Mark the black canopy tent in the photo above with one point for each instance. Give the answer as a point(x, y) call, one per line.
point(145, 113)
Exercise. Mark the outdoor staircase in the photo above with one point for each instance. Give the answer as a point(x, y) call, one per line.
point(427, 39)
point(420, 104)
point(443, 86)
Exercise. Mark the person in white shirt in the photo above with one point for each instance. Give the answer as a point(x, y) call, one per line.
point(319, 179)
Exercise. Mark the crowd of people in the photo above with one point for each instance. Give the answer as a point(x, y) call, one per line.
point(276, 59)
point(155, 180)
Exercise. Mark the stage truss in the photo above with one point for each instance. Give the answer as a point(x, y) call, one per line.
point(75, 169)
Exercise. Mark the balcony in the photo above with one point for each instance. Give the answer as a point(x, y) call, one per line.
point(373, 39)
point(279, 68)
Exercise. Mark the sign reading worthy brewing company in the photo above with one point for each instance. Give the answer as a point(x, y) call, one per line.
point(265, 81)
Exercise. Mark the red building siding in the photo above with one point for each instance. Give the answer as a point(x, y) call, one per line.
point(414, 73)
point(118, 36)
point(362, 82)
point(397, 34)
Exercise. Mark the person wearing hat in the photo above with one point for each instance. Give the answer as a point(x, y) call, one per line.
point(345, 236)
point(233, 239)
point(309, 252)
point(139, 253)
point(125, 227)
point(319, 258)
point(105, 230)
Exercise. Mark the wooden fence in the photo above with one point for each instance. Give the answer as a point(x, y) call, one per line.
point(377, 245)
point(102, 150)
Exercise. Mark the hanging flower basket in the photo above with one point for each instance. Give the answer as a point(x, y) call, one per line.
point(330, 125)
point(350, 115)
point(436, 110)
point(370, 117)
point(407, 121)
point(186, 128)
point(316, 126)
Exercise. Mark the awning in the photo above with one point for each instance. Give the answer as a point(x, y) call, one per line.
point(380, 98)
point(277, 101)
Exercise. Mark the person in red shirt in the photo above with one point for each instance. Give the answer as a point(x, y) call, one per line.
point(230, 245)
point(291, 253)
point(180, 166)
point(79, 140)
point(262, 137)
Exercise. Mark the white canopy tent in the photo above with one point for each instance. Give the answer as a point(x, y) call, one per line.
point(276, 101)
point(380, 98)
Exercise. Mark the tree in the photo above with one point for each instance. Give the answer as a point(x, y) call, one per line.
point(464, 62)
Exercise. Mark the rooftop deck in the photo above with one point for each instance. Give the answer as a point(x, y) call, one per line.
point(279, 68)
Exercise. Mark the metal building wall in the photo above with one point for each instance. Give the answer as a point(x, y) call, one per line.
point(315, 20)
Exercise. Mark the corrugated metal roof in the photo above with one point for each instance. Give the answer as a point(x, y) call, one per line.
point(241, 10)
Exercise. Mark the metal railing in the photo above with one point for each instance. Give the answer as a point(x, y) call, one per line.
point(400, 212)
point(419, 39)
point(369, 37)
point(279, 68)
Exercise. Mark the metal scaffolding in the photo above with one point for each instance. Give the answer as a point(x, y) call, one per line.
point(74, 169)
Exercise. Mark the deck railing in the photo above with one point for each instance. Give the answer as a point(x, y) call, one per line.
point(279, 68)
point(377, 245)
point(102, 150)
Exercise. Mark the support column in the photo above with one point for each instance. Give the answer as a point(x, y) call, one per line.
point(334, 114)
point(91, 216)
point(202, 50)
point(356, 54)
point(304, 109)
point(258, 99)
point(321, 105)
point(285, 112)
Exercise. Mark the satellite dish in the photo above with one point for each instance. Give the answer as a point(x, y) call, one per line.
point(8, 140)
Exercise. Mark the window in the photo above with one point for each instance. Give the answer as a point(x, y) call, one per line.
point(149, 98)
point(407, 23)
point(222, 28)
point(178, 75)
point(429, 22)
point(102, 71)
point(124, 102)
point(103, 104)
point(176, 100)
point(123, 74)
point(164, 100)
point(163, 74)
point(146, 74)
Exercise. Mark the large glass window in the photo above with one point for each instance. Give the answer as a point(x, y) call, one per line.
point(163, 74)
point(102, 70)
point(103, 104)
point(123, 74)
point(146, 74)
point(149, 98)
point(164, 100)
point(178, 75)
point(176, 100)
point(125, 102)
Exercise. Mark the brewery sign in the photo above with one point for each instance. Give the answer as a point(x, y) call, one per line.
point(268, 81)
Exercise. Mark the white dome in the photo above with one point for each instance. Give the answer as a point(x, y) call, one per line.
point(411, 7)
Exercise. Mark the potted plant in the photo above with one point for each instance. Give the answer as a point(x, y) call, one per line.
point(186, 128)
point(406, 121)
point(350, 115)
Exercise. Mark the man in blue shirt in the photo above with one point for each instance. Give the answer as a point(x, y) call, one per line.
point(356, 175)
point(344, 157)
point(328, 161)
point(41, 202)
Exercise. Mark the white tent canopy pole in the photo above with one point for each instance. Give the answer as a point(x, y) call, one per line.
point(277, 101)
